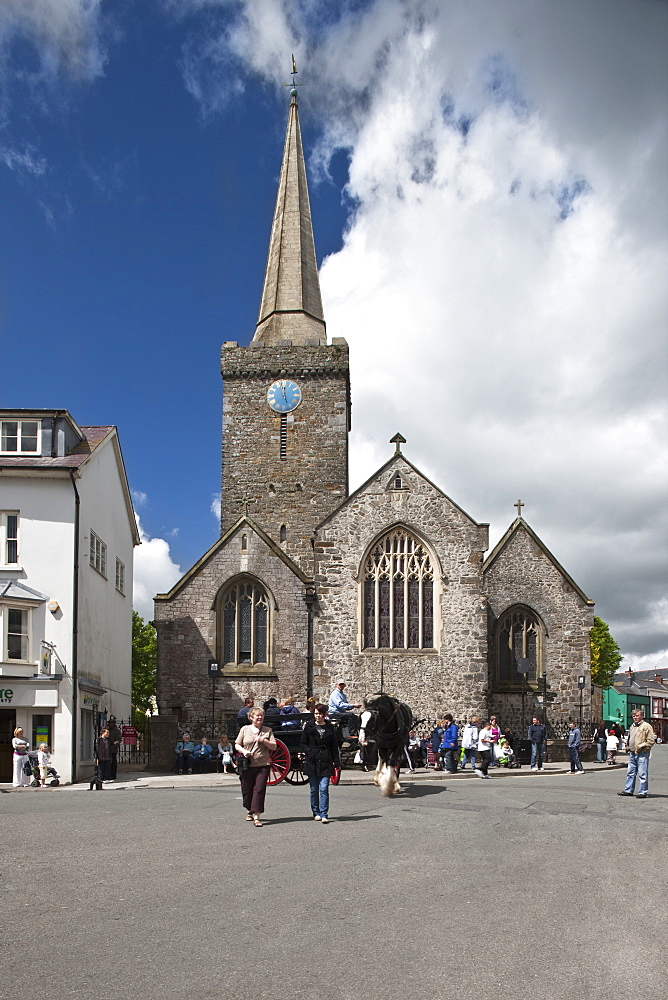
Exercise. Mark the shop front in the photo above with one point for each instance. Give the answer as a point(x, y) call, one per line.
point(35, 706)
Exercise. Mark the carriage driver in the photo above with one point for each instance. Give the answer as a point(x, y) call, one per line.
point(340, 708)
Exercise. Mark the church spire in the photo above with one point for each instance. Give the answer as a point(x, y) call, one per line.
point(291, 306)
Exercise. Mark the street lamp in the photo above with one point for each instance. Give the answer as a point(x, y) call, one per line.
point(581, 684)
point(523, 666)
point(214, 671)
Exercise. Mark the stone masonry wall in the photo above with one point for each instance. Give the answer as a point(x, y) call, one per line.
point(187, 633)
point(297, 491)
point(523, 574)
point(454, 676)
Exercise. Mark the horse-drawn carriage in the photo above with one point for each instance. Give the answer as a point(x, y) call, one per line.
point(287, 760)
point(389, 724)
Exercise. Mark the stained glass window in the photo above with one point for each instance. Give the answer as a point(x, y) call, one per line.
point(245, 623)
point(518, 637)
point(398, 601)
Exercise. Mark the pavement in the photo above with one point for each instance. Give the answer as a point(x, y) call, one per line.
point(127, 780)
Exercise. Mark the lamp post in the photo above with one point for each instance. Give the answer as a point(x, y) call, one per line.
point(581, 684)
point(523, 665)
point(214, 671)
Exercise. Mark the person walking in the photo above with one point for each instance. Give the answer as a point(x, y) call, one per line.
point(20, 749)
point(470, 742)
point(321, 758)
point(640, 740)
point(599, 739)
point(485, 744)
point(448, 744)
point(574, 740)
point(104, 757)
point(496, 735)
point(115, 741)
point(255, 743)
point(611, 745)
point(537, 735)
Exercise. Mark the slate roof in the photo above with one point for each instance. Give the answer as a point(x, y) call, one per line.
point(93, 437)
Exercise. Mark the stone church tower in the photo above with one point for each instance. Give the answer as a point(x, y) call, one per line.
point(307, 584)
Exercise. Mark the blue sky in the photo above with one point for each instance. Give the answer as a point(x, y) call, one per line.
point(488, 194)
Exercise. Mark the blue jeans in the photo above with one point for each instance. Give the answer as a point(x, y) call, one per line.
point(319, 796)
point(574, 754)
point(600, 751)
point(537, 754)
point(449, 762)
point(638, 766)
point(469, 757)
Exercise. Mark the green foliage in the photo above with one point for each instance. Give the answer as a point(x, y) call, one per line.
point(144, 656)
point(605, 655)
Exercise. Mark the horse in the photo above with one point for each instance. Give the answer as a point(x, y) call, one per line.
point(389, 725)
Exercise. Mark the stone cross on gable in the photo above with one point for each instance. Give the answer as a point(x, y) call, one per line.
point(519, 506)
point(245, 501)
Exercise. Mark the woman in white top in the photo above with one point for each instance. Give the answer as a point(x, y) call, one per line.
point(470, 742)
point(485, 744)
point(21, 748)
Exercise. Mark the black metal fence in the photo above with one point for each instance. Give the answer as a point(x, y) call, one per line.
point(135, 745)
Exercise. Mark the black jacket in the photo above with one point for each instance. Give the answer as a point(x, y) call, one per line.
point(538, 734)
point(321, 752)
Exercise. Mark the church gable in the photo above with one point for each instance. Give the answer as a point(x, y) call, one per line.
point(521, 569)
point(399, 575)
point(243, 605)
point(538, 619)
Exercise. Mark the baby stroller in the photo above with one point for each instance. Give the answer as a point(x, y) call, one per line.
point(31, 768)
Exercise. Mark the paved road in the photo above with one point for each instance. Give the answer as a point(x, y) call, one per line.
point(549, 886)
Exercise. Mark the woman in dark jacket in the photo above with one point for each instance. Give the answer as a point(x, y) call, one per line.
point(321, 757)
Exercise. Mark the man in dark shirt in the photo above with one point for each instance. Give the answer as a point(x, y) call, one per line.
point(115, 738)
point(537, 735)
point(103, 756)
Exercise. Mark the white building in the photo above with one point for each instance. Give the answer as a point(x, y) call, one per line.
point(67, 533)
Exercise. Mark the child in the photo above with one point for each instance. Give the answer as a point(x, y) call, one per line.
point(43, 762)
point(505, 753)
point(611, 745)
point(225, 751)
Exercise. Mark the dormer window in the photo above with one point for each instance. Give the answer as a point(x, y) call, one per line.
point(398, 484)
point(20, 437)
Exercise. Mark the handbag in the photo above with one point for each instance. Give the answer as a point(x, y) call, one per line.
point(243, 762)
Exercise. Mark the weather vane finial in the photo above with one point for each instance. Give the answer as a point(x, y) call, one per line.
point(294, 84)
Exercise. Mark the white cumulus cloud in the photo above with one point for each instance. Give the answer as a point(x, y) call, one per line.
point(155, 572)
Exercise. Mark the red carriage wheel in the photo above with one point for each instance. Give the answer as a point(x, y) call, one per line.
point(279, 765)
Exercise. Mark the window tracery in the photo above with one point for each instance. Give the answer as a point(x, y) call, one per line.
point(398, 594)
point(245, 624)
point(519, 635)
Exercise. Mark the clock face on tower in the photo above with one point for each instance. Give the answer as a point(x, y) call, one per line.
point(284, 395)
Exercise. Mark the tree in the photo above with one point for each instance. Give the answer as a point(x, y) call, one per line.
point(605, 655)
point(144, 656)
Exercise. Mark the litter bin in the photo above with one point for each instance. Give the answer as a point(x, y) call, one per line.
point(523, 751)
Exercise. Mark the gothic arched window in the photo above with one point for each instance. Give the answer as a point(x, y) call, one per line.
point(519, 636)
point(398, 594)
point(244, 609)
